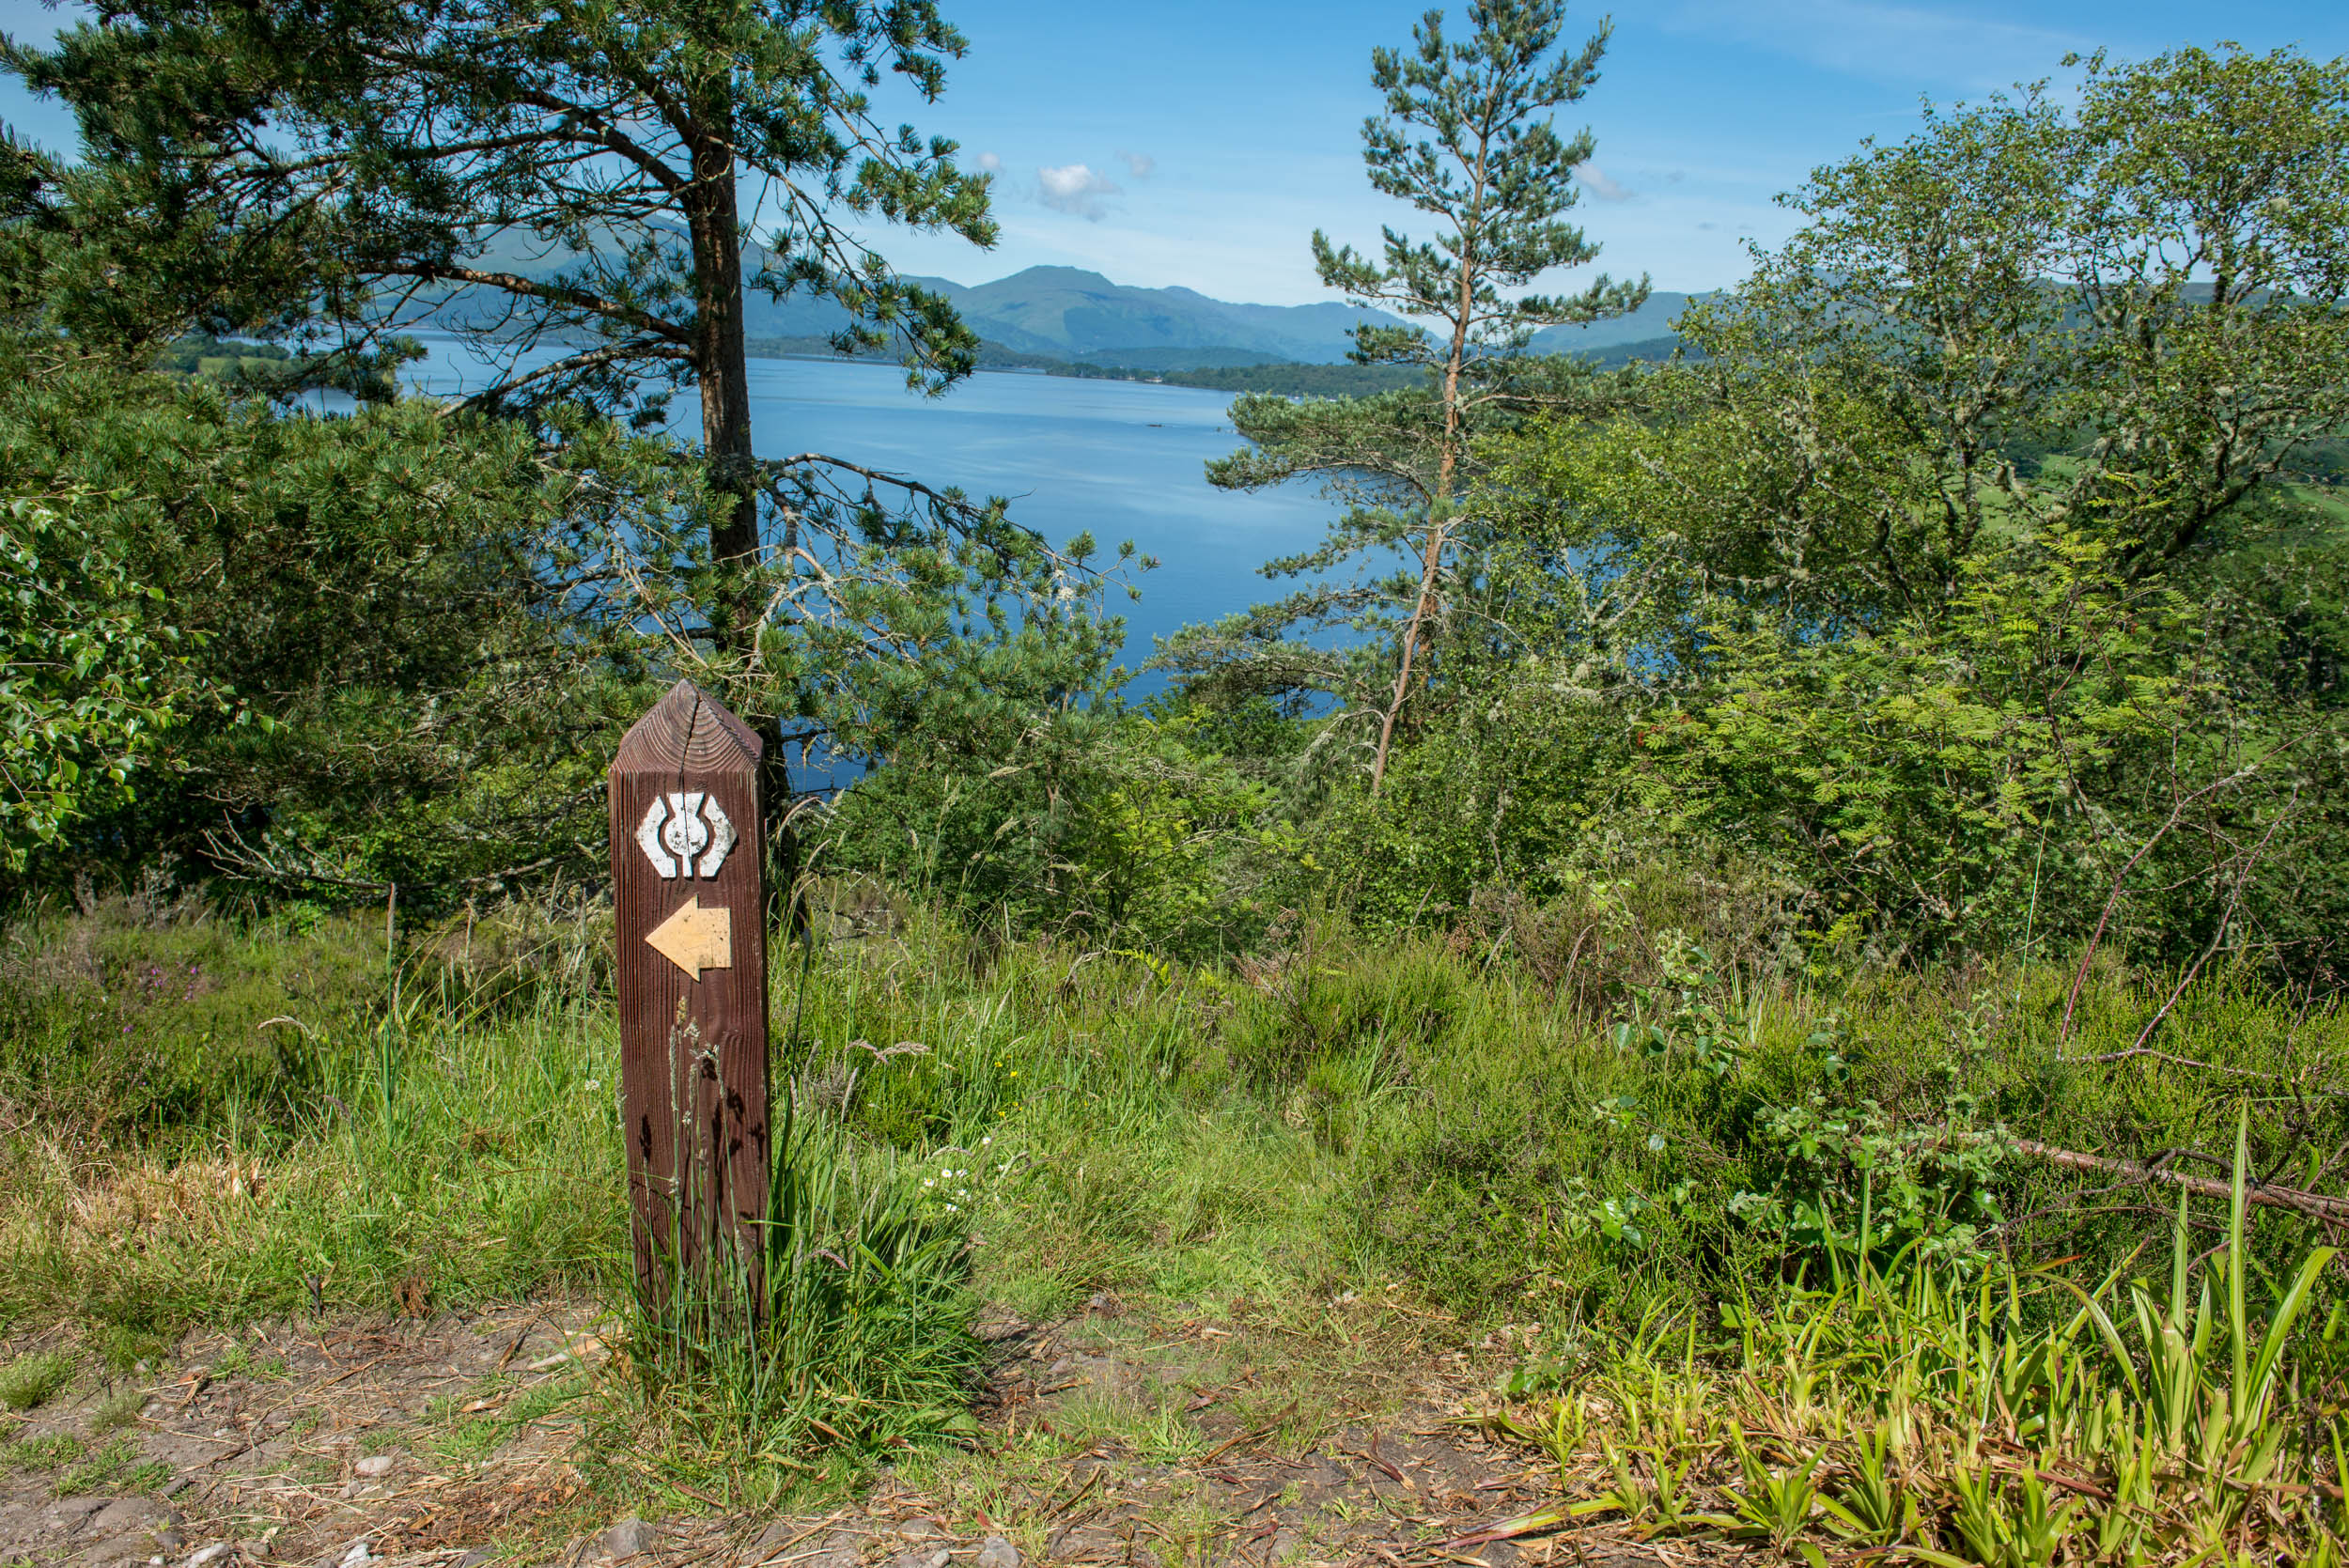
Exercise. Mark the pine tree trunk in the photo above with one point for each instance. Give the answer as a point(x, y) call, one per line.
point(1418, 635)
point(722, 372)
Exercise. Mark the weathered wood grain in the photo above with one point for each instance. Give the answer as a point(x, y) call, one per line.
point(693, 1052)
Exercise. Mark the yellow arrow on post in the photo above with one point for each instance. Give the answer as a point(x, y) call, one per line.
point(694, 939)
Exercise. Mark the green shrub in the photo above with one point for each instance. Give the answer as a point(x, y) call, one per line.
point(144, 1018)
point(32, 1379)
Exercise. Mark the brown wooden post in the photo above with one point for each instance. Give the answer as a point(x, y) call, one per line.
point(687, 841)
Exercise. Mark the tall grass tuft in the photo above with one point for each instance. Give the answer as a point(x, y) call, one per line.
point(850, 1326)
point(33, 1378)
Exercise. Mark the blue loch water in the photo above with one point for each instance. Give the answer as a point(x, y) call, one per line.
point(1122, 460)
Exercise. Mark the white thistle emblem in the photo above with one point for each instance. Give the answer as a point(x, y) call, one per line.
point(683, 828)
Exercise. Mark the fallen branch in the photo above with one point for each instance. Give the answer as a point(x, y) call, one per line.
point(2264, 1193)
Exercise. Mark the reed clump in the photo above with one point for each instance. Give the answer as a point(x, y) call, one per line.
point(2014, 1420)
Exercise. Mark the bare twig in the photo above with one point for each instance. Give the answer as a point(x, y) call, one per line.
point(2316, 1204)
point(2235, 897)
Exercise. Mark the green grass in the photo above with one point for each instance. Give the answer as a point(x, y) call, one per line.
point(42, 1454)
point(1309, 1142)
point(1150, 1421)
point(34, 1378)
point(294, 1139)
point(854, 1332)
point(116, 1467)
point(2011, 1421)
point(460, 1436)
point(1362, 1119)
point(117, 1409)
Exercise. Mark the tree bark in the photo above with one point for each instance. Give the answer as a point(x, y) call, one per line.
point(722, 368)
point(1431, 562)
point(1417, 634)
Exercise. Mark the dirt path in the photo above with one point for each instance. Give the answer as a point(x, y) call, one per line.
point(424, 1436)
point(1110, 1438)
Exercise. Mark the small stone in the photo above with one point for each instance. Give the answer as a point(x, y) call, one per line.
point(921, 1557)
point(996, 1552)
point(357, 1556)
point(629, 1538)
point(474, 1558)
point(376, 1465)
point(217, 1550)
point(68, 1511)
point(129, 1513)
point(921, 1529)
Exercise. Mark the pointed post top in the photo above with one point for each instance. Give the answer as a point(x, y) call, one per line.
point(687, 730)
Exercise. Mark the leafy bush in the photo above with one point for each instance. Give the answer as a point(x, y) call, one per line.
point(1849, 1178)
point(1969, 782)
point(391, 642)
point(91, 675)
point(1100, 822)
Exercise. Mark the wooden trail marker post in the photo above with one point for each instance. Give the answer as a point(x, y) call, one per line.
point(687, 841)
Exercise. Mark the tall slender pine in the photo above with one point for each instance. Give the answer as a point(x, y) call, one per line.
point(1467, 138)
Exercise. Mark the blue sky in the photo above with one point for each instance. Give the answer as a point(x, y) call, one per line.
point(1200, 142)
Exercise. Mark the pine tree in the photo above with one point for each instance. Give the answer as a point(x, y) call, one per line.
point(1466, 138)
point(566, 183)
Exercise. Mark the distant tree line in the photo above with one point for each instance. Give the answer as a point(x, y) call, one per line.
point(1277, 378)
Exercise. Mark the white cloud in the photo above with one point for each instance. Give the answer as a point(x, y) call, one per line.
point(1139, 164)
point(1902, 43)
point(989, 164)
point(1074, 188)
point(1597, 181)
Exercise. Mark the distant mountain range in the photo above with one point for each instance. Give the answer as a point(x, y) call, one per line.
point(1066, 313)
point(1080, 315)
point(1653, 319)
point(1071, 313)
